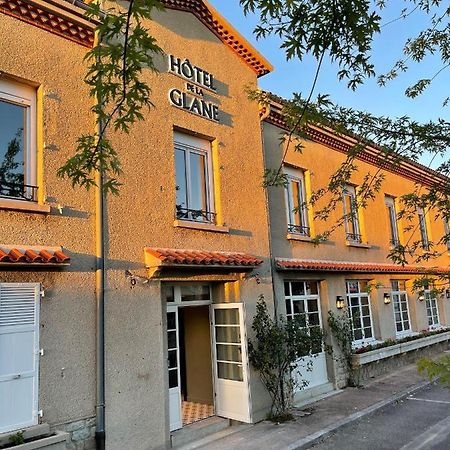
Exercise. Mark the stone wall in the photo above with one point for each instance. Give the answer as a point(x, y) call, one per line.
point(82, 434)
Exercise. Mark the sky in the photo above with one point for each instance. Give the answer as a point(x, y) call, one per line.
point(297, 76)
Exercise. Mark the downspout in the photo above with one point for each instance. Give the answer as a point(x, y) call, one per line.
point(100, 299)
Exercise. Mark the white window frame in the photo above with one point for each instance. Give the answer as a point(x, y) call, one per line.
point(355, 235)
point(25, 96)
point(364, 340)
point(430, 304)
point(392, 216)
point(191, 144)
point(423, 229)
point(400, 296)
point(296, 176)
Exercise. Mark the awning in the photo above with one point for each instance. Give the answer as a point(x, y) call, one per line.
point(348, 266)
point(178, 258)
point(13, 255)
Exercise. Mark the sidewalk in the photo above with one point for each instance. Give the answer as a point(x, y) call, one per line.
point(326, 416)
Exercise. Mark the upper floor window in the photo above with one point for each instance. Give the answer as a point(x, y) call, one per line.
point(358, 302)
point(352, 229)
point(447, 232)
point(423, 229)
point(297, 212)
point(401, 309)
point(194, 181)
point(17, 141)
point(392, 215)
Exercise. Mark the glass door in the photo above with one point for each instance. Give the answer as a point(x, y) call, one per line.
point(173, 366)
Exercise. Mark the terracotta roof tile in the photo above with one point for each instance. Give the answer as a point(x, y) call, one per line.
point(32, 255)
point(347, 266)
point(177, 257)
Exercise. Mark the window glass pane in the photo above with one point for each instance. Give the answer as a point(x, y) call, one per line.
point(367, 333)
point(314, 319)
point(352, 287)
point(198, 182)
point(12, 155)
point(286, 289)
point(288, 307)
point(312, 288)
point(313, 305)
point(228, 334)
point(173, 378)
point(172, 359)
point(229, 353)
point(299, 306)
point(298, 288)
point(296, 202)
point(171, 321)
point(366, 321)
point(357, 334)
point(226, 316)
point(228, 371)
point(172, 339)
point(181, 182)
point(168, 293)
point(301, 320)
point(195, 292)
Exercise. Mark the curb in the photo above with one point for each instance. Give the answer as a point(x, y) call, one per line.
point(314, 438)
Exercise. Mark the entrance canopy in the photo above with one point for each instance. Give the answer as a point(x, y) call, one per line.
point(160, 258)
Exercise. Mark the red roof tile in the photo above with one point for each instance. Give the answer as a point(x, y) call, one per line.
point(32, 255)
point(175, 257)
point(346, 266)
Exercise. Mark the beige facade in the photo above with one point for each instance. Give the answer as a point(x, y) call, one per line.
point(199, 252)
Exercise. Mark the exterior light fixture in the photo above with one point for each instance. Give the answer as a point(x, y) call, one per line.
point(447, 293)
point(340, 302)
point(421, 298)
point(387, 298)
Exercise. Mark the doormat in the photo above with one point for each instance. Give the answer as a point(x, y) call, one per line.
point(193, 412)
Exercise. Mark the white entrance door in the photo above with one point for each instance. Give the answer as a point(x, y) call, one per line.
point(19, 355)
point(173, 365)
point(303, 305)
point(231, 362)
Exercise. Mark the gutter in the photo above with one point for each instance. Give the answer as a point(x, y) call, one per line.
point(100, 278)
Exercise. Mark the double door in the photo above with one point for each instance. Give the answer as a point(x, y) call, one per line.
point(229, 360)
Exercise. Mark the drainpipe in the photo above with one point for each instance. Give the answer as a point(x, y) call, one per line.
point(100, 276)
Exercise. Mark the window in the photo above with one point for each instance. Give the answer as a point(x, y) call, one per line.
point(17, 141)
point(423, 229)
point(194, 184)
point(401, 309)
point(392, 215)
point(303, 305)
point(351, 215)
point(358, 302)
point(297, 212)
point(447, 232)
point(432, 308)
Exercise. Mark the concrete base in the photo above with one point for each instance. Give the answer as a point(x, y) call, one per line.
point(314, 394)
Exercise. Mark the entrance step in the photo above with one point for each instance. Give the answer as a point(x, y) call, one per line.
point(313, 394)
point(198, 431)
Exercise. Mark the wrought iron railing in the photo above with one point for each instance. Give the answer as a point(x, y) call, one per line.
point(195, 215)
point(299, 229)
point(18, 191)
point(354, 237)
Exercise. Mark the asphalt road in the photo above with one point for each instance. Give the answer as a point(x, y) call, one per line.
point(418, 422)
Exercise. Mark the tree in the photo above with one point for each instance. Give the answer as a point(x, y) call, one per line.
point(276, 352)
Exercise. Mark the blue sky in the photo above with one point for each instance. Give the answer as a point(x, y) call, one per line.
point(295, 76)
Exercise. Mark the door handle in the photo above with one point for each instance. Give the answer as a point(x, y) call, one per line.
point(16, 377)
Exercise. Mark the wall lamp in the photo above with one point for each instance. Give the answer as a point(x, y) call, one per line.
point(340, 302)
point(387, 298)
point(421, 298)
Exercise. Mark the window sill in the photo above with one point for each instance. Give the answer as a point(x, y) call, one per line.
point(357, 244)
point(298, 237)
point(21, 205)
point(201, 226)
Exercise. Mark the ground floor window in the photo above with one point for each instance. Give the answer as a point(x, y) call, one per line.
point(358, 301)
point(432, 309)
point(401, 309)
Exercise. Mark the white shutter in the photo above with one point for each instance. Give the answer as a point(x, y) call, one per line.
point(19, 355)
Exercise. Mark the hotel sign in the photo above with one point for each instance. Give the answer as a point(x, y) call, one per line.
point(192, 99)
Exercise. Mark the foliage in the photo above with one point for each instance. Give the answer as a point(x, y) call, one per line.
point(276, 351)
point(439, 369)
point(17, 439)
point(341, 328)
point(115, 79)
point(11, 169)
point(391, 342)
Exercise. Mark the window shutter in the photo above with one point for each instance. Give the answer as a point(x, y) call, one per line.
point(18, 304)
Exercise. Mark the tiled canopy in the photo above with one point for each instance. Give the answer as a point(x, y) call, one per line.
point(347, 266)
point(12, 255)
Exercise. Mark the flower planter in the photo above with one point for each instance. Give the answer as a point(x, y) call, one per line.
point(397, 349)
point(56, 442)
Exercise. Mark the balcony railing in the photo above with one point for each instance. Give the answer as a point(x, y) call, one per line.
point(299, 229)
point(195, 215)
point(18, 191)
point(354, 237)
